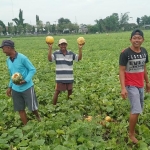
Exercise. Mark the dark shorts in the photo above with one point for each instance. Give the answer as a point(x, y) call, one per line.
point(25, 98)
point(63, 86)
point(136, 97)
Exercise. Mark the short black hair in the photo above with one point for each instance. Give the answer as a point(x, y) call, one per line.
point(137, 32)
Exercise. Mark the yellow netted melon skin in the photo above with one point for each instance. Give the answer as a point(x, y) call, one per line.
point(49, 40)
point(81, 40)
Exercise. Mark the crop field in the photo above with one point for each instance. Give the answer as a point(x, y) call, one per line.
point(96, 93)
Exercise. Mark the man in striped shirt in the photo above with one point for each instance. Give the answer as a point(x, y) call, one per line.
point(64, 67)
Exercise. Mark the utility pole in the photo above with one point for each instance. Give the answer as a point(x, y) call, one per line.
point(55, 27)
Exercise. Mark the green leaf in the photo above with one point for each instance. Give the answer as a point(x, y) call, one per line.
point(80, 139)
point(44, 147)
point(37, 142)
point(2, 141)
point(59, 147)
point(23, 143)
point(109, 109)
point(60, 132)
point(12, 129)
point(4, 135)
point(143, 145)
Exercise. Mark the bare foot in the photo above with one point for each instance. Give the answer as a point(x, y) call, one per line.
point(38, 118)
point(133, 139)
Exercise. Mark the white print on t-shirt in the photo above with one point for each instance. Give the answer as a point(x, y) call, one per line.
point(135, 65)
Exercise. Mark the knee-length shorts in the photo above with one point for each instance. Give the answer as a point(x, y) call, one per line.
point(136, 98)
point(24, 99)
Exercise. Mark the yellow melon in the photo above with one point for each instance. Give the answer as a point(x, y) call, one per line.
point(81, 40)
point(49, 40)
point(108, 118)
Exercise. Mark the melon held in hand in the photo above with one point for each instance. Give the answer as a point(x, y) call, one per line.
point(81, 41)
point(16, 78)
point(49, 40)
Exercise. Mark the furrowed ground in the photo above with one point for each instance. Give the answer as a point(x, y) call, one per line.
point(96, 93)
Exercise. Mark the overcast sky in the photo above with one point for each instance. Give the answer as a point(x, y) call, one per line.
point(77, 11)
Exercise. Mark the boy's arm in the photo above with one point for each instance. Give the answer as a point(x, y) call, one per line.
point(146, 79)
point(122, 81)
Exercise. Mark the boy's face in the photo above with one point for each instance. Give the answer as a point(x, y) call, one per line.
point(137, 40)
point(63, 46)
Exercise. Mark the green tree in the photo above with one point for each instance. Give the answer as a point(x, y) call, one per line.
point(53, 28)
point(92, 28)
point(10, 28)
point(145, 20)
point(138, 20)
point(114, 18)
point(15, 29)
point(124, 18)
point(33, 29)
point(112, 22)
point(123, 22)
point(63, 24)
point(37, 19)
point(99, 25)
point(39, 24)
point(48, 27)
point(19, 22)
point(63, 21)
point(3, 27)
point(28, 28)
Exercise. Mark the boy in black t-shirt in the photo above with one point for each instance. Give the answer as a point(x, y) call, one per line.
point(132, 73)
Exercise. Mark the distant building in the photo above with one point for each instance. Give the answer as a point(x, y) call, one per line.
point(83, 28)
point(146, 26)
point(66, 31)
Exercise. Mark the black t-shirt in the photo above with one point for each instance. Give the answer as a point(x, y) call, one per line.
point(134, 63)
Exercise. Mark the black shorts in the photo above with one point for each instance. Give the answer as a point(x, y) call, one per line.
point(25, 98)
point(64, 86)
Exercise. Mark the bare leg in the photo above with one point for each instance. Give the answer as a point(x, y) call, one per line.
point(55, 97)
point(23, 116)
point(69, 93)
point(35, 112)
point(132, 123)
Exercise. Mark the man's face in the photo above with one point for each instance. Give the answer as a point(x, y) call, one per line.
point(137, 40)
point(63, 46)
point(7, 50)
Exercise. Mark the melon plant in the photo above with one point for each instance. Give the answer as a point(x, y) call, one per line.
point(49, 40)
point(81, 40)
point(16, 78)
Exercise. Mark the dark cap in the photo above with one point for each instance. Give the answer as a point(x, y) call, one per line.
point(137, 32)
point(7, 43)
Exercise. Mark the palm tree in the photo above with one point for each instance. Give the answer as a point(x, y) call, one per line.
point(19, 22)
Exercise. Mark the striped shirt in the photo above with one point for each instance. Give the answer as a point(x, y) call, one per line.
point(64, 66)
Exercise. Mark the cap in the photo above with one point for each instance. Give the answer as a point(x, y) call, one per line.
point(7, 43)
point(62, 41)
point(137, 32)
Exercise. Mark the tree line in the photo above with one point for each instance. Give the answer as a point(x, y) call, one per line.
point(111, 23)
